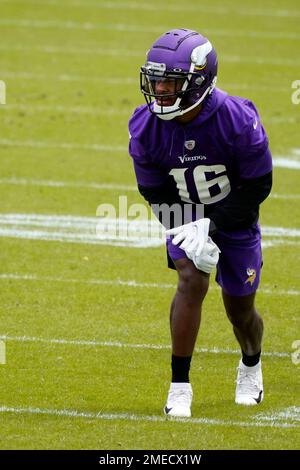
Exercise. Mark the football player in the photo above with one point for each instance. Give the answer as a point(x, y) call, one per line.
point(194, 145)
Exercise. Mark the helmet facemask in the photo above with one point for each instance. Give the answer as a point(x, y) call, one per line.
point(164, 89)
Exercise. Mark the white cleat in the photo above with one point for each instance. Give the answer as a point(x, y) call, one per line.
point(249, 385)
point(179, 400)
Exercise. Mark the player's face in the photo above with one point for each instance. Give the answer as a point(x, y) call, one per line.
point(167, 86)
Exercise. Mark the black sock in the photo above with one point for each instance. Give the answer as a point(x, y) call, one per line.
point(251, 361)
point(180, 368)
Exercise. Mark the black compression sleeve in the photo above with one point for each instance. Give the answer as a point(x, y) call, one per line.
point(165, 202)
point(241, 208)
point(166, 193)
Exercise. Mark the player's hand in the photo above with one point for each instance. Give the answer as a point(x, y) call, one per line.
point(192, 236)
point(208, 258)
point(198, 246)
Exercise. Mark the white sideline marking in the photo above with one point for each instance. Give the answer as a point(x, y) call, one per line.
point(291, 414)
point(286, 163)
point(132, 417)
point(130, 283)
point(218, 10)
point(106, 186)
point(137, 28)
point(132, 233)
point(78, 222)
point(118, 344)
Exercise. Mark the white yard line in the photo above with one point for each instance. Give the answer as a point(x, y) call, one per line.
point(78, 222)
point(63, 145)
point(69, 184)
point(119, 344)
point(124, 53)
point(139, 225)
point(6, 74)
point(102, 111)
point(279, 196)
point(23, 75)
point(148, 6)
point(280, 231)
point(133, 241)
point(260, 60)
point(291, 413)
point(267, 290)
point(68, 413)
point(105, 282)
point(93, 110)
point(134, 233)
point(278, 242)
point(98, 186)
point(93, 51)
point(281, 162)
point(138, 28)
point(83, 238)
point(282, 119)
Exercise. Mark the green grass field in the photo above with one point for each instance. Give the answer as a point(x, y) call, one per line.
point(84, 324)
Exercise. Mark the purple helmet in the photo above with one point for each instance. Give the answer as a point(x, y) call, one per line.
point(181, 70)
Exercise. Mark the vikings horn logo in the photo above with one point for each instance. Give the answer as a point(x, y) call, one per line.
point(251, 276)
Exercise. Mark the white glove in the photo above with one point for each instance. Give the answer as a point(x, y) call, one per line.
point(208, 258)
point(193, 236)
point(196, 243)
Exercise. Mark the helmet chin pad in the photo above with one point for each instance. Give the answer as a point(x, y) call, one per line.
point(169, 112)
point(166, 113)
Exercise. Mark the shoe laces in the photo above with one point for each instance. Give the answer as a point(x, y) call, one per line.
point(247, 380)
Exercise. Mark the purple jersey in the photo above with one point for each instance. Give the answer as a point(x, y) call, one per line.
point(208, 156)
